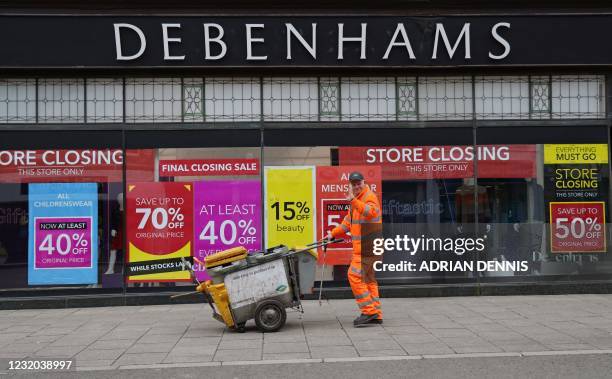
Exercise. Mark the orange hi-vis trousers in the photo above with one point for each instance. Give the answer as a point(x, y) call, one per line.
point(364, 216)
point(365, 288)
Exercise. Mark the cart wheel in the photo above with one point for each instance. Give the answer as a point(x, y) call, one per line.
point(270, 316)
point(241, 328)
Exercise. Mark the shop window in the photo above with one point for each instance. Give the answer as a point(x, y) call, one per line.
point(61, 212)
point(61, 100)
point(406, 98)
point(502, 97)
point(540, 97)
point(547, 218)
point(290, 99)
point(18, 100)
point(104, 100)
point(420, 190)
point(445, 98)
point(329, 99)
point(199, 201)
point(367, 99)
point(153, 100)
point(193, 100)
point(232, 99)
point(578, 96)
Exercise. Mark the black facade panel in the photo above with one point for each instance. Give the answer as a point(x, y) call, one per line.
point(499, 40)
point(368, 137)
point(541, 134)
point(60, 139)
point(154, 139)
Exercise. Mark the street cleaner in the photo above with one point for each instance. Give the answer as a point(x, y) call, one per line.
point(364, 222)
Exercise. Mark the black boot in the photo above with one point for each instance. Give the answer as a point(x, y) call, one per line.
point(364, 319)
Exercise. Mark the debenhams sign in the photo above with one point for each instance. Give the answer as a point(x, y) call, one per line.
point(215, 43)
point(302, 41)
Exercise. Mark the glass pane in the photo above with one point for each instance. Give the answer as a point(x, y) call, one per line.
point(198, 202)
point(60, 218)
point(61, 100)
point(17, 101)
point(545, 216)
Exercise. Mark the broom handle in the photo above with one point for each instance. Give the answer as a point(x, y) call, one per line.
point(322, 274)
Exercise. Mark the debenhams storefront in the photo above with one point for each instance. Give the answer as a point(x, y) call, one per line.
point(128, 142)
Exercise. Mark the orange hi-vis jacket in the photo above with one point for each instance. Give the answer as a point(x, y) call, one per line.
point(365, 208)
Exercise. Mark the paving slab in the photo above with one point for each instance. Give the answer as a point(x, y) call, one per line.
point(285, 347)
point(285, 356)
point(92, 355)
point(142, 358)
point(238, 355)
point(333, 351)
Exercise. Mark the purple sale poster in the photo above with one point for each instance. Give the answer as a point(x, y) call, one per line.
point(227, 213)
point(62, 242)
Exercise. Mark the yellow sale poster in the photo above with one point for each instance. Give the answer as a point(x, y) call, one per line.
point(576, 153)
point(290, 212)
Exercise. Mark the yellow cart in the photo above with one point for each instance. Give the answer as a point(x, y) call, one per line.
point(259, 286)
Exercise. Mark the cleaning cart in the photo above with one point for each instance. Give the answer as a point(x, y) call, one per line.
point(259, 286)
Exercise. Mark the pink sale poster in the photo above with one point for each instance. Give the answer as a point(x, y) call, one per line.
point(227, 213)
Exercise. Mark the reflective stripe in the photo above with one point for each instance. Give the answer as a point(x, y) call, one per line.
point(371, 235)
point(375, 298)
point(377, 307)
point(344, 227)
point(366, 210)
point(362, 296)
point(365, 304)
point(371, 221)
point(355, 271)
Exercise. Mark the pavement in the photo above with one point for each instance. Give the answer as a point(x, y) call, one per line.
point(171, 336)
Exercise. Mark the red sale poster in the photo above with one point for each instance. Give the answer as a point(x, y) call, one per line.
point(444, 162)
point(332, 186)
point(104, 165)
point(209, 167)
point(159, 231)
point(578, 227)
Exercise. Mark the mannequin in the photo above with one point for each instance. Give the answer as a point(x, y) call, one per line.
point(116, 234)
point(465, 207)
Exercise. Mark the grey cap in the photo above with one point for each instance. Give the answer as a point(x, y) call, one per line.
point(355, 175)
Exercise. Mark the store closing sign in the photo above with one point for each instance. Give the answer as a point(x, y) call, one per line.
point(104, 165)
point(332, 206)
point(159, 227)
point(576, 187)
point(209, 167)
point(445, 162)
point(63, 231)
point(227, 214)
point(289, 197)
